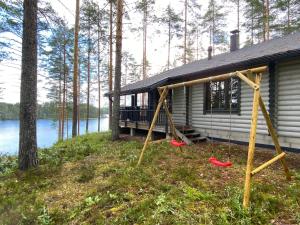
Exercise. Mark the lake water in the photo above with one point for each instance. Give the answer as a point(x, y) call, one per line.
point(47, 133)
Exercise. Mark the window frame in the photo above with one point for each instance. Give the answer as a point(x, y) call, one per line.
point(206, 105)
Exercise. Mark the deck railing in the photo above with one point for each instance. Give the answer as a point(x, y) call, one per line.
point(139, 114)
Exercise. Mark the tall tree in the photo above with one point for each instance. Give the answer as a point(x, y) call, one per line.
point(98, 65)
point(185, 31)
point(238, 6)
point(213, 24)
point(145, 7)
point(171, 20)
point(88, 25)
point(118, 72)
point(75, 76)
point(110, 76)
point(290, 21)
point(28, 100)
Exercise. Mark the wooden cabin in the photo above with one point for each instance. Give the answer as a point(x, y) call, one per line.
point(190, 106)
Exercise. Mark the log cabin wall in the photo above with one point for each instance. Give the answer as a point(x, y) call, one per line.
point(282, 93)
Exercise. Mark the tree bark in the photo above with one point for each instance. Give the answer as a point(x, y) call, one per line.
point(59, 105)
point(28, 156)
point(238, 15)
point(64, 90)
point(267, 19)
point(98, 73)
point(169, 41)
point(78, 101)
point(185, 31)
point(118, 72)
point(88, 81)
point(110, 77)
point(145, 21)
point(75, 77)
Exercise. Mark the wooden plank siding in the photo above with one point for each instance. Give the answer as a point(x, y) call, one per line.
point(240, 124)
point(179, 106)
point(286, 112)
point(288, 103)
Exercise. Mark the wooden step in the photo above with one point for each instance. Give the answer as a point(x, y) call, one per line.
point(192, 135)
point(198, 139)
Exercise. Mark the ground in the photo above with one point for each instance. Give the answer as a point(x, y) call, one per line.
point(91, 180)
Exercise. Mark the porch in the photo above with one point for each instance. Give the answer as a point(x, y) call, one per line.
point(136, 117)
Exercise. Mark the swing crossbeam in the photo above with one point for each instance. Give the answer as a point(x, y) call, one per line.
point(254, 83)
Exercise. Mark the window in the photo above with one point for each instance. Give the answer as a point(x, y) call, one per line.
point(219, 94)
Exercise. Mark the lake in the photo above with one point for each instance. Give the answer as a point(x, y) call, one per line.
point(47, 133)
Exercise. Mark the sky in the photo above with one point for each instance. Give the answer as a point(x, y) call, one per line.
point(156, 52)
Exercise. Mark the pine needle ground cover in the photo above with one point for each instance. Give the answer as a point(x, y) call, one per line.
point(91, 180)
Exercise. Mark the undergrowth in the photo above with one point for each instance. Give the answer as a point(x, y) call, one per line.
point(91, 180)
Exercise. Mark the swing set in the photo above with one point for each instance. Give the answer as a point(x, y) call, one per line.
point(252, 77)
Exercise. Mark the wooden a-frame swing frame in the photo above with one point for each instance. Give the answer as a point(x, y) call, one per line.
point(254, 83)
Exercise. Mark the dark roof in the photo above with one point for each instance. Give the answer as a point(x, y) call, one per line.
point(244, 58)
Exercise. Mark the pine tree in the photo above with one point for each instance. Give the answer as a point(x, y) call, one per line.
point(288, 16)
point(172, 23)
point(57, 62)
point(118, 70)
point(76, 81)
point(88, 28)
point(145, 7)
point(110, 76)
point(28, 101)
point(213, 24)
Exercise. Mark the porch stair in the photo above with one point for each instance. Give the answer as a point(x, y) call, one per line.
point(189, 135)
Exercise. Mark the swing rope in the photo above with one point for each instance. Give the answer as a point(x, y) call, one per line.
point(211, 117)
point(230, 118)
point(213, 160)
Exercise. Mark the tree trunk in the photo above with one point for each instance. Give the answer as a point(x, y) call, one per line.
point(75, 77)
point(252, 24)
point(213, 29)
point(78, 102)
point(59, 105)
point(88, 84)
point(145, 21)
point(110, 77)
point(197, 40)
point(118, 72)
point(66, 111)
point(185, 30)
point(267, 20)
point(288, 17)
point(98, 75)
point(64, 91)
point(28, 99)
point(238, 15)
point(169, 43)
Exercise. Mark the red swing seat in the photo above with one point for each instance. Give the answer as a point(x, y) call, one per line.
point(216, 162)
point(177, 143)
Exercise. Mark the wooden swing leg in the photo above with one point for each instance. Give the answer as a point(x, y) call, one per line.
point(252, 140)
point(169, 117)
point(274, 137)
point(161, 100)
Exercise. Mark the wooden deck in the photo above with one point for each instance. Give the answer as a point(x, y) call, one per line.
point(142, 125)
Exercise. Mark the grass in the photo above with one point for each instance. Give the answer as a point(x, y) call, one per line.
point(91, 180)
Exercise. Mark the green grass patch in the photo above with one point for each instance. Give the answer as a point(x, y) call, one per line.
point(92, 180)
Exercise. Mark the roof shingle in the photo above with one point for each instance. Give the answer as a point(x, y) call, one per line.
point(247, 56)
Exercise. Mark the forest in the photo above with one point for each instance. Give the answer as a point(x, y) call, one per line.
point(47, 110)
